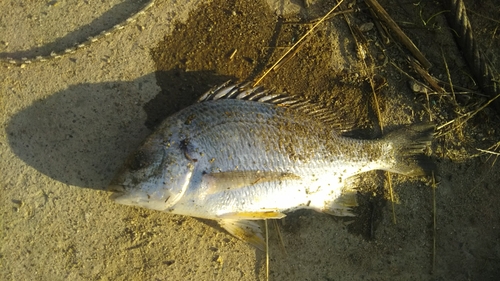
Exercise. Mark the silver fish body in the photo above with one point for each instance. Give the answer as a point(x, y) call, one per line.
point(243, 155)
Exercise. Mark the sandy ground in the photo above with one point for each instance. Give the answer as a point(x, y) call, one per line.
point(68, 124)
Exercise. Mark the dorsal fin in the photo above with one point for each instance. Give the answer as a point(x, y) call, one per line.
point(244, 91)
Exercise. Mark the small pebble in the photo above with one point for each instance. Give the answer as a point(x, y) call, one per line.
point(366, 27)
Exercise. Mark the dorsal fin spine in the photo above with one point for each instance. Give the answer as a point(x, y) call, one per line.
point(258, 95)
point(231, 95)
point(269, 98)
point(224, 92)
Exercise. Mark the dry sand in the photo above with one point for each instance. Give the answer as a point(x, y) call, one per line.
point(68, 124)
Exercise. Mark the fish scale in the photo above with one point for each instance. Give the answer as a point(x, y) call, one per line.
point(244, 154)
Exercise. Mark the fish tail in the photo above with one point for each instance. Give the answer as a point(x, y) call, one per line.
point(408, 154)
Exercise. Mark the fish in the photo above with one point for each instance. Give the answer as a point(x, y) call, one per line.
point(244, 154)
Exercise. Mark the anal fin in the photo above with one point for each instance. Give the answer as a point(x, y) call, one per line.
point(246, 230)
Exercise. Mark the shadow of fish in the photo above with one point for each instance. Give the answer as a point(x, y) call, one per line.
point(242, 154)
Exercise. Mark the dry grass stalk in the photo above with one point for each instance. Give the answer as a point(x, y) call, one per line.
point(382, 30)
point(297, 43)
point(426, 76)
point(384, 16)
point(280, 237)
point(274, 67)
point(391, 193)
point(483, 16)
point(314, 21)
point(290, 55)
point(449, 77)
point(465, 117)
point(369, 71)
point(434, 222)
point(267, 250)
point(491, 151)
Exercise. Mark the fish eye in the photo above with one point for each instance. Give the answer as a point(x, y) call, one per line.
point(184, 144)
point(139, 160)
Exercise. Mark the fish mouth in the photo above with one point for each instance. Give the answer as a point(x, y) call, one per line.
point(125, 197)
point(118, 191)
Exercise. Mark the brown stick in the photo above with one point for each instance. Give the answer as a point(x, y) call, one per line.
point(425, 74)
point(383, 15)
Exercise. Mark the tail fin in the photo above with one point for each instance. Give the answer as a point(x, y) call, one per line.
point(409, 144)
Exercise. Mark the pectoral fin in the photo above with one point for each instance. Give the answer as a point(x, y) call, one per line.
point(231, 180)
point(246, 230)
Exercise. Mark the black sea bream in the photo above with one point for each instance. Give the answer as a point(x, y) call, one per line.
point(242, 154)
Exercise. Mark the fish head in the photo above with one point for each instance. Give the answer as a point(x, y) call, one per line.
point(154, 177)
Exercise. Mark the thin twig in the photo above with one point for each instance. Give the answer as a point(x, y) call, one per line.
point(389, 182)
point(488, 151)
point(290, 55)
point(469, 115)
point(369, 72)
point(482, 16)
point(267, 251)
point(383, 15)
point(428, 105)
point(297, 43)
point(449, 77)
point(462, 90)
point(332, 15)
point(282, 243)
point(434, 229)
point(425, 74)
